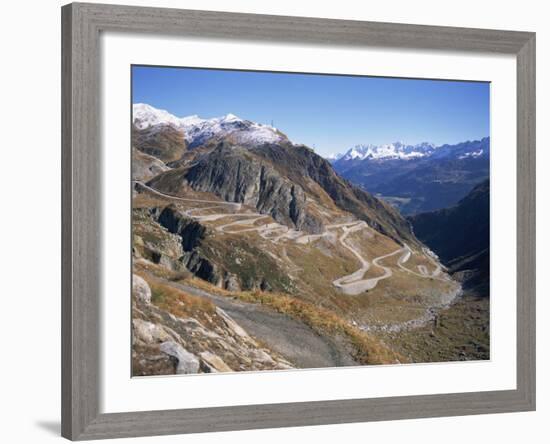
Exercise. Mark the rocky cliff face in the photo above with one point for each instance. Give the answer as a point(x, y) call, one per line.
point(189, 231)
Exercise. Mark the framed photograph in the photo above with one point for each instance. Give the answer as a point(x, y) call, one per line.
point(282, 221)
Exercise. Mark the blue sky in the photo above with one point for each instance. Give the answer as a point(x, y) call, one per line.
point(329, 113)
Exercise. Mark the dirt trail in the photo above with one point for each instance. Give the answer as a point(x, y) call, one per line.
point(423, 270)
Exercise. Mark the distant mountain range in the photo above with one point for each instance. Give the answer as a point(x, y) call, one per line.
point(460, 237)
point(396, 150)
point(416, 178)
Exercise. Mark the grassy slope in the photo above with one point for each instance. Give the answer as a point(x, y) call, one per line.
point(460, 333)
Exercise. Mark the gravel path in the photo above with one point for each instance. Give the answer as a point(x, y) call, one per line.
point(293, 339)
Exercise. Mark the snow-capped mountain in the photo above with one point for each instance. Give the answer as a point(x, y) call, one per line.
point(396, 150)
point(198, 131)
point(471, 149)
point(145, 116)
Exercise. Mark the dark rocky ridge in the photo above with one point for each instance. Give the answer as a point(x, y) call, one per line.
point(190, 231)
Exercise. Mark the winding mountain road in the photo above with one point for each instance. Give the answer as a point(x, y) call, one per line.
point(352, 284)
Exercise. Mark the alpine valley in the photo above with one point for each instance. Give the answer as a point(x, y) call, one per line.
point(251, 252)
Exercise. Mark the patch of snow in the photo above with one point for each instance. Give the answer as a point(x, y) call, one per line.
point(472, 154)
point(334, 156)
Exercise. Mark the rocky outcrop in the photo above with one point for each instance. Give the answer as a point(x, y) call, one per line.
point(231, 282)
point(153, 242)
point(202, 267)
point(190, 231)
point(148, 332)
point(166, 236)
point(141, 289)
point(190, 234)
point(208, 341)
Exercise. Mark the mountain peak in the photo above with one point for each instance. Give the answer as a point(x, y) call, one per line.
point(198, 131)
point(145, 116)
point(230, 118)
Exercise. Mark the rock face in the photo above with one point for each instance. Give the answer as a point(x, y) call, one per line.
point(202, 267)
point(190, 231)
point(155, 243)
point(148, 332)
point(166, 236)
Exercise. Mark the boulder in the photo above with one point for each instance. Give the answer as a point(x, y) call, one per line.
point(214, 363)
point(232, 283)
point(148, 332)
point(187, 362)
point(140, 289)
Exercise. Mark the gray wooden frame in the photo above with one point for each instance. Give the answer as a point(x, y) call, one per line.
point(81, 232)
